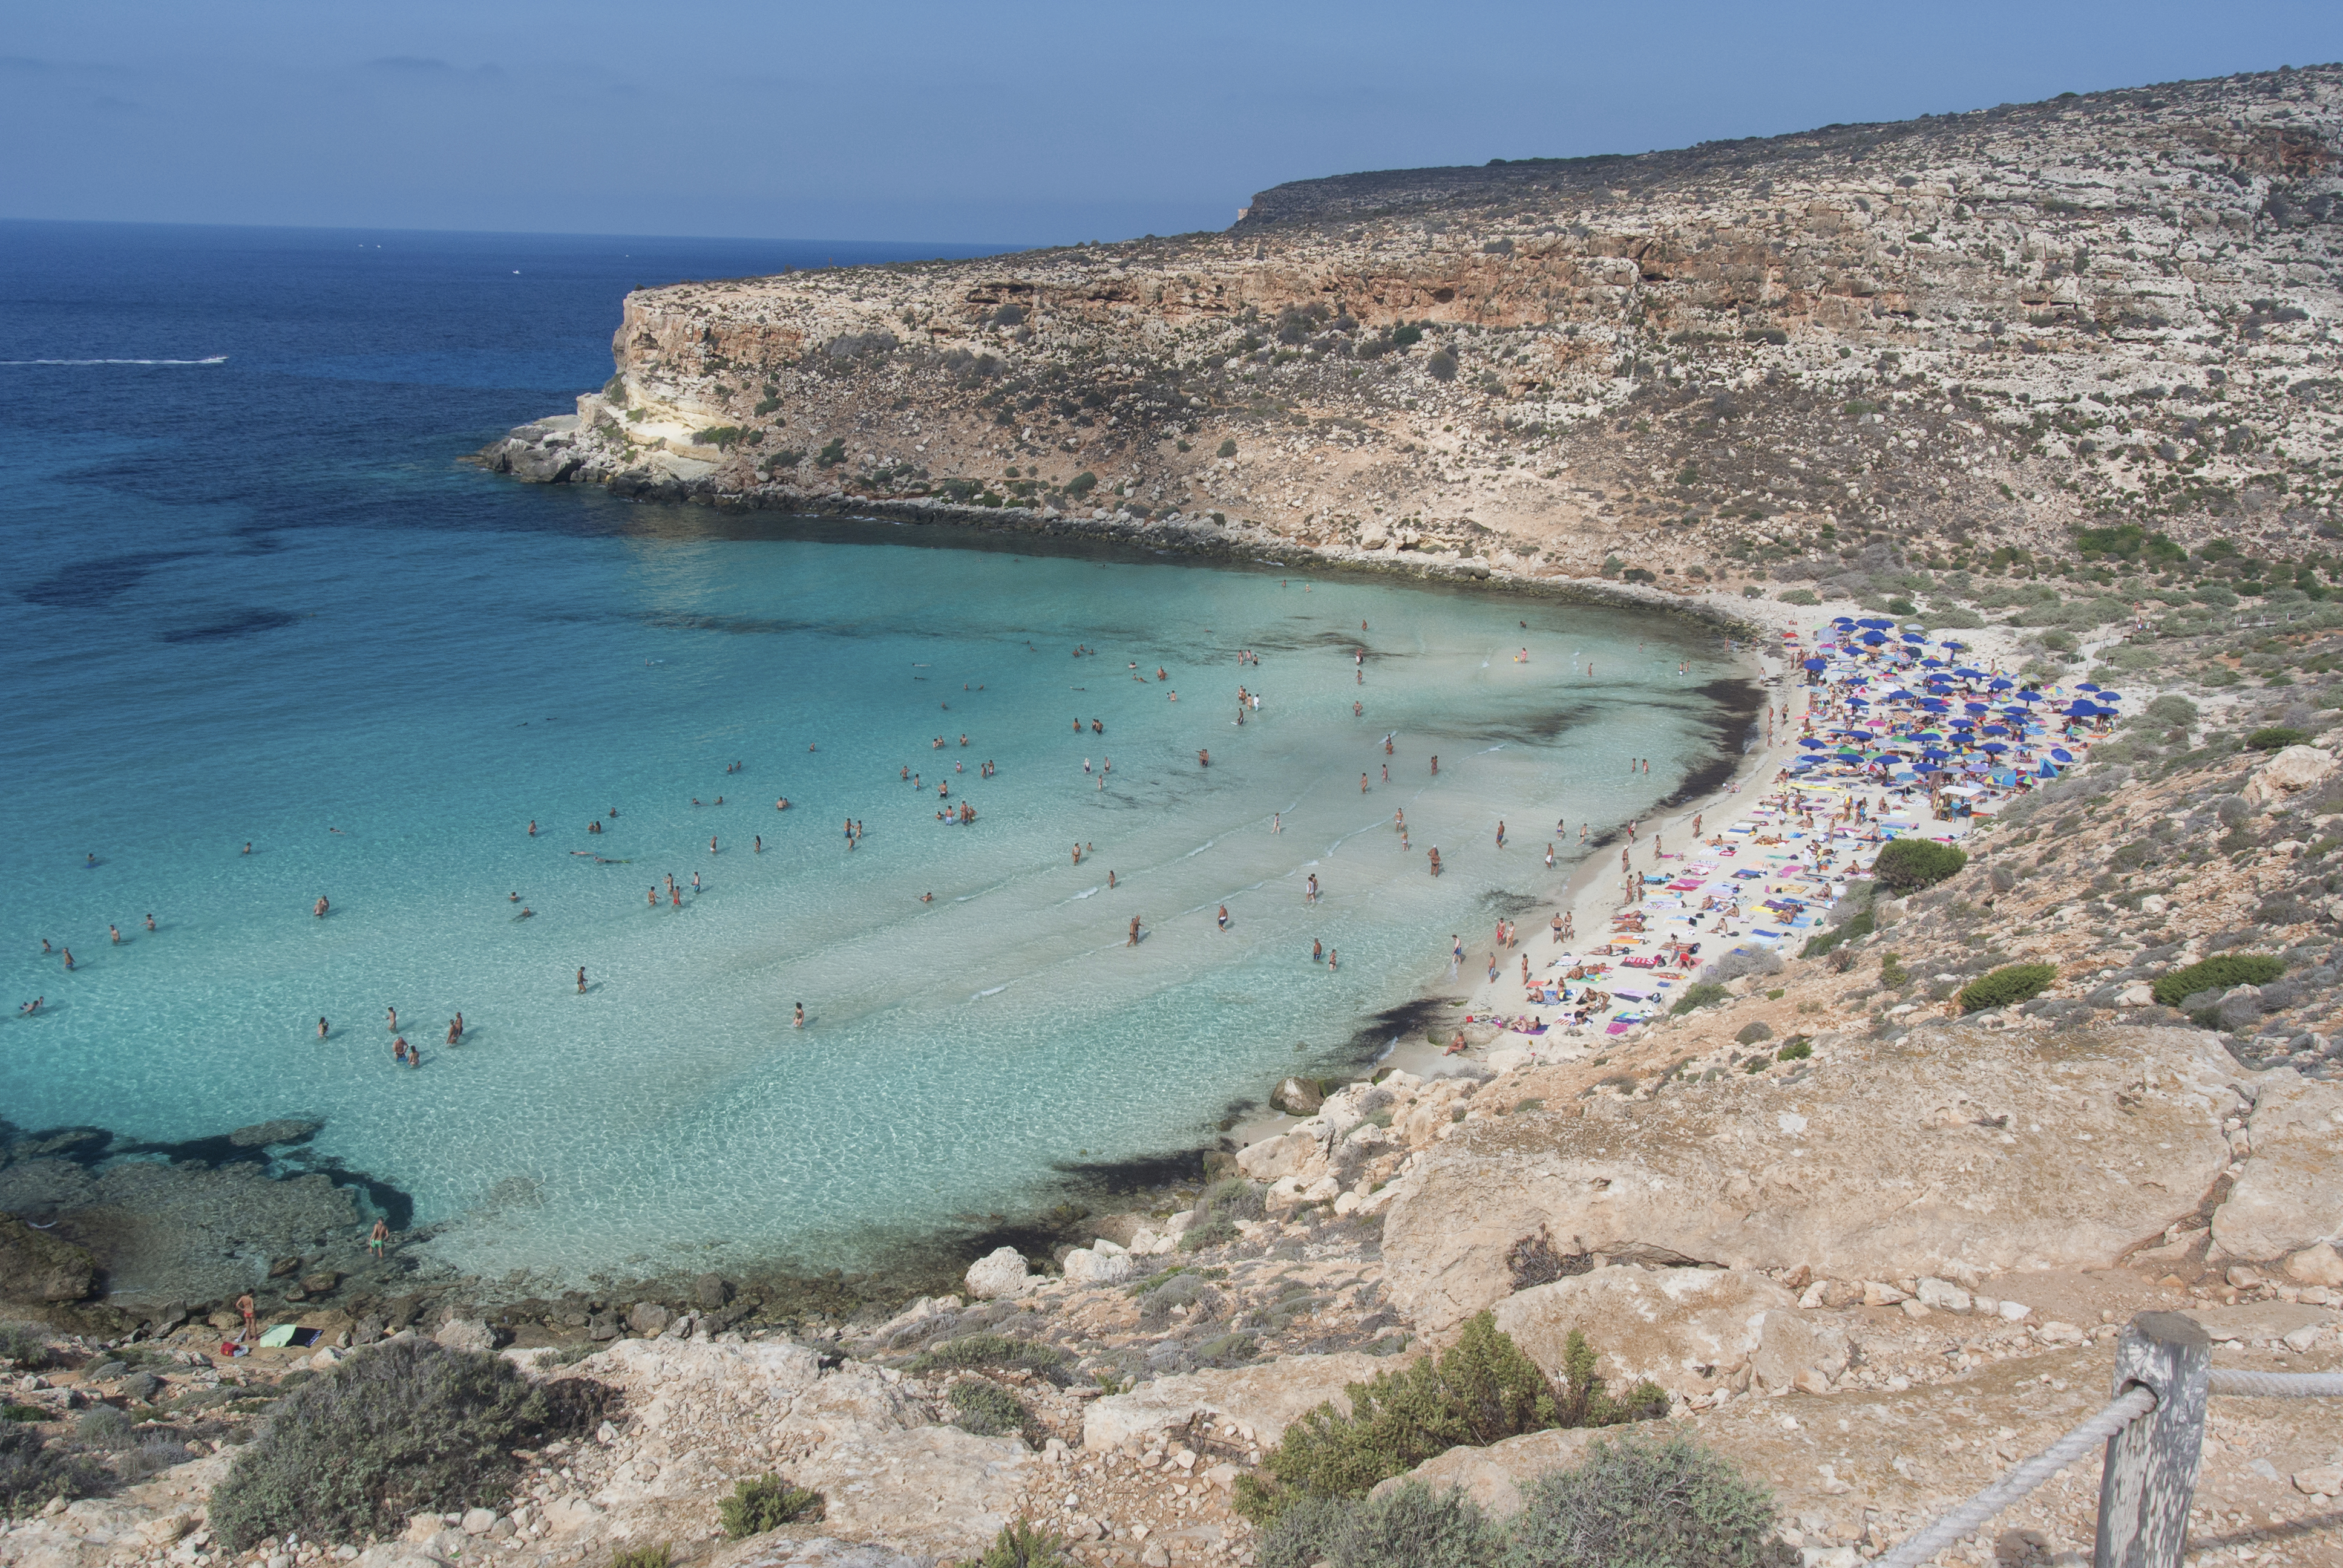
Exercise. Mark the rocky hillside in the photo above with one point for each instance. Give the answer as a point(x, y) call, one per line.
point(1962, 336)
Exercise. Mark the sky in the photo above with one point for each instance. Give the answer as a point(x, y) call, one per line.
point(1007, 123)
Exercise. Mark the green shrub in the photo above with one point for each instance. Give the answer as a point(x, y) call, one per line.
point(103, 1426)
point(1440, 364)
point(1653, 1504)
point(1481, 1391)
point(1234, 1199)
point(766, 1504)
point(1227, 449)
point(2173, 710)
point(1901, 606)
point(1908, 865)
point(405, 1427)
point(1413, 1526)
point(1082, 484)
point(1846, 931)
point(1699, 994)
point(2217, 973)
point(1892, 972)
point(1753, 1031)
point(832, 455)
point(987, 1410)
point(1751, 590)
point(1798, 1050)
point(765, 405)
point(33, 1471)
point(978, 1352)
point(723, 437)
point(658, 1557)
point(2008, 984)
point(25, 1345)
point(22, 1412)
point(2277, 737)
point(1022, 1544)
point(1216, 1231)
point(1797, 595)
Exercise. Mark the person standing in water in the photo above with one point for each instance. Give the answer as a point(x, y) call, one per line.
point(1224, 917)
point(321, 1026)
point(800, 1021)
point(1134, 933)
point(581, 980)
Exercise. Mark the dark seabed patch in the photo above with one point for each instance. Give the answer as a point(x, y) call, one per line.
point(245, 623)
point(94, 583)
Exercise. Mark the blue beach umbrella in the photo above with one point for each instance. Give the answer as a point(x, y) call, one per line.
point(2081, 710)
point(1977, 707)
point(2029, 697)
point(1808, 741)
point(2002, 683)
point(2085, 686)
point(2110, 697)
point(1993, 747)
point(1997, 729)
point(1958, 647)
point(1817, 664)
point(2060, 754)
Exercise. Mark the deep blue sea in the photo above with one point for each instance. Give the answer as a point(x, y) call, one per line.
point(252, 595)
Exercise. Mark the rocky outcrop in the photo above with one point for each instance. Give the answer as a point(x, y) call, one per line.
point(1259, 1400)
point(1953, 1148)
point(2289, 1197)
point(1665, 1325)
point(36, 1266)
point(1985, 327)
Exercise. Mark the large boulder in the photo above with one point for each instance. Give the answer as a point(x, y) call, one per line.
point(1296, 1097)
point(2290, 1196)
point(1954, 1149)
point(2291, 772)
point(1491, 1477)
point(1261, 1399)
point(935, 1489)
point(1681, 1328)
point(36, 1266)
point(1000, 1273)
point(1106, 1265)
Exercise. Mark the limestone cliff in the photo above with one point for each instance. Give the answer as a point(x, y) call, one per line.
point(1968, 333)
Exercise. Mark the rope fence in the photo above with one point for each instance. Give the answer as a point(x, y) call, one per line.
point(2153, 1431)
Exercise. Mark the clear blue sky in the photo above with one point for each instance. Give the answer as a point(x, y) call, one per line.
point(1002, 123)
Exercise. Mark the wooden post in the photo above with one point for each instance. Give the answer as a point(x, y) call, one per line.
point(2150, 1475)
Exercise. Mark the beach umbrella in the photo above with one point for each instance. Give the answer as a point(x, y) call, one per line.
point(1875, 638)
point(1977, 707)
point(2085, 686)
point(1932, 664)
point(1808, 741)
point(2081, 710)
point(2110, 697)
point(2002, 683)
point(1958, 647)
point(1934, 755)
point(2029, 697)
point(1817, 664)
point(1850, 756)
point(1997, 729)
point(1993, 747)
point(1914, 637)
point(2060, 754)
point(1966, 673)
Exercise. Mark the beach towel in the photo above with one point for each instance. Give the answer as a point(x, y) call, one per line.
point(279, 1336)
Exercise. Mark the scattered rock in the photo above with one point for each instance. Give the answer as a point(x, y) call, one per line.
point(2291, 772)
point(1263, 1398)
point(2291, 1195)
point(1678, 1327)
point(1000, 1273)
point(466, 1335)
point(284, 1130)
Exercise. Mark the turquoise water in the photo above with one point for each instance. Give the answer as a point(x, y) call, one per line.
point(380, 684)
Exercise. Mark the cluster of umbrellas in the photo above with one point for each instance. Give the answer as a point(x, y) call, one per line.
point(1958, 715)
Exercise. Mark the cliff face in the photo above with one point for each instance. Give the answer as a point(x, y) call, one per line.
point(1957, 334)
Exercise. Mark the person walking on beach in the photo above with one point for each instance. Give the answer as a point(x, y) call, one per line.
point(1455, 954)
point(581, 980)
point(1362, 783)
point(377, 1237)
point(1500, 832)
point(1549, 856)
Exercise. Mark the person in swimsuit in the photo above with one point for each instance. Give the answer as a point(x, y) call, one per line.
point(150, 917)
point(1317, 950)
point(1334, 960)
point(321, 907)
point(398, 1049)
point(581, 980)
point(1224, 917)
point(376, 1237)
point(251, 1310)
point(799, 1022)
point(321, 1026)
point(1134, 933)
